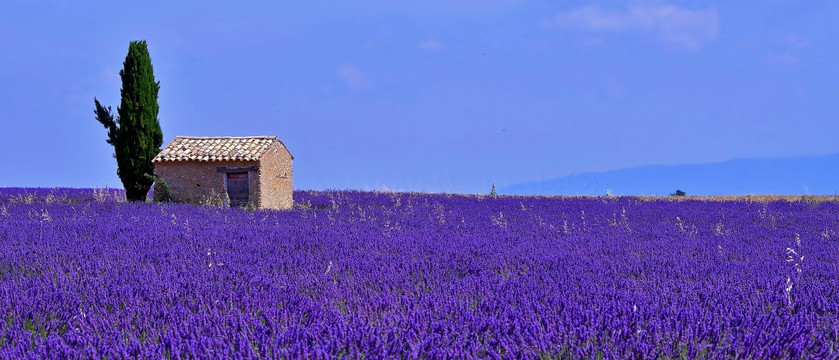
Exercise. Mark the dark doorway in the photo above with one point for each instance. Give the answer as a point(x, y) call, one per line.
point(238, 188)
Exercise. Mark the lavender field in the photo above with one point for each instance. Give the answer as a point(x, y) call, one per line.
point(377, 275)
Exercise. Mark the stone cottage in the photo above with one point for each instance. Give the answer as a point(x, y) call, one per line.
point(252, 170)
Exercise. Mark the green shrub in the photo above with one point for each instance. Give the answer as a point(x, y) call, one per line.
point(162, 191)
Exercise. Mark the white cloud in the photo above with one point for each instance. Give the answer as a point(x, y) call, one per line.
point(687, 29)
point(786, 51)
point(794, 41)
point(431, 45)
point(353, 76)
point(111, 77)
point(784, 58)
point(442, 7)
point(614, 89)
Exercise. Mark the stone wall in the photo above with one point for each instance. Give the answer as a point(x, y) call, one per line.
point(196, 181)
point(275, 174)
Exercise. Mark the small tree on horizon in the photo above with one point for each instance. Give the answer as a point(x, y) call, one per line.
point(135, 134)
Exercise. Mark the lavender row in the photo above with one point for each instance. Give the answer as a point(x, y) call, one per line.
point(352, 274)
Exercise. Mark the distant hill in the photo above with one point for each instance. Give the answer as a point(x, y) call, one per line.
point(815, 175)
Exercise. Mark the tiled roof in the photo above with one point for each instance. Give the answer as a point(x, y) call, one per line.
point(245, 148)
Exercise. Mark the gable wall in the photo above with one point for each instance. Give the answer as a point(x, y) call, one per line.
point(275, 175)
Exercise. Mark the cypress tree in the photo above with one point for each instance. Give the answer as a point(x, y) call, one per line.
point(135, 134)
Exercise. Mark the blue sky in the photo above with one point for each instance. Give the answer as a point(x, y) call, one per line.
point(435, 96)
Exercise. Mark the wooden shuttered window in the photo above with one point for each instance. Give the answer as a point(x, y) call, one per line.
point(238, 188)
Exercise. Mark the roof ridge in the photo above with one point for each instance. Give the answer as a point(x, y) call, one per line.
point(225, 137)
point(212, 148)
